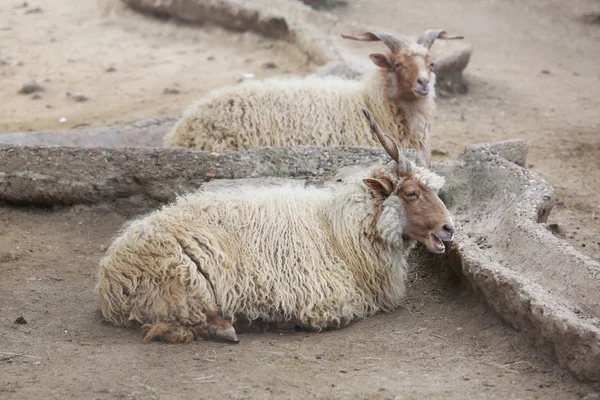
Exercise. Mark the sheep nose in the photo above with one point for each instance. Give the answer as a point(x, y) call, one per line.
point(449, 228)
point(423, 81)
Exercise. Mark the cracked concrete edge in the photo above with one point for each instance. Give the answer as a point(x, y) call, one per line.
point(325, 4)
point(521, 302)
point(514, 150)
point(70, 175)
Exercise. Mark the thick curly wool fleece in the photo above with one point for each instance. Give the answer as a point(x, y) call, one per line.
point(301, 112)
point(317, 257)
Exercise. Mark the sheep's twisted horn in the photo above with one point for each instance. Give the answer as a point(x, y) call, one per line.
point(429, 36)
point(386, 141)
point(390, 41)
point(423, 153)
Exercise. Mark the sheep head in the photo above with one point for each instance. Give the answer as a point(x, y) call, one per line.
point(409, 66)
point(406, 199)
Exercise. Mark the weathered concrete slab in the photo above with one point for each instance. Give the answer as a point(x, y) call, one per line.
point(145, 133)
point(230, 14)
point(70, 175)
point(279, 19)
point(514, 151)
point(451, 58)
point(325, 4)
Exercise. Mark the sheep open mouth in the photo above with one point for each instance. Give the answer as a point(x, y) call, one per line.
point(421, 92)
point(437, 244)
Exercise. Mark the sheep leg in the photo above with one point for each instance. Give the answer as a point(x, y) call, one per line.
point(216, 327)
point(168, 333)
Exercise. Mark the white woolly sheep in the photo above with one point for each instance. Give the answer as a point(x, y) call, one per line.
point(321, 111)
point(314, 258)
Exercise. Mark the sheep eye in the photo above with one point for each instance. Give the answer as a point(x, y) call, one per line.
point(432, 65)
point(398, 65)
point(411, 194)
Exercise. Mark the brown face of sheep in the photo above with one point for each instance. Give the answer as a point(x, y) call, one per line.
point(409, 72)
point(429, 220)
point(409, 66)
point(425, 218)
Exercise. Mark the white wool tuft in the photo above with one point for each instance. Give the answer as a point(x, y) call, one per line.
point(417, 49)
point(429, 179)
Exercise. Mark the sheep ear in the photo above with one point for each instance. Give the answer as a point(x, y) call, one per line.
point(379, 186)
point(380, 60)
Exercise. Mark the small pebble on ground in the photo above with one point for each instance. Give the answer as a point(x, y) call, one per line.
point(31, 87)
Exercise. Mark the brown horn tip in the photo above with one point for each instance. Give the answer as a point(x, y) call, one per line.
point(367, 113)
point(386, 141)
point(423, 154)
point(430, 35)
point(390, 40)
point(365, 37)
point(444, 36)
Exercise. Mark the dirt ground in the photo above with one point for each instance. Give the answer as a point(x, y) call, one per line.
point(130, 66)
point(534, 75)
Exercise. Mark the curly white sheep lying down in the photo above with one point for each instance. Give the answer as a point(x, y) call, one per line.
point(321, 111)
point(314, 258)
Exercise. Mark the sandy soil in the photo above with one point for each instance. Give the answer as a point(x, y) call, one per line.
point(129, 66)
point(534, 75)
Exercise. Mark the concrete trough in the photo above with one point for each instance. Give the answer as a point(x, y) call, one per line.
point(538, 283)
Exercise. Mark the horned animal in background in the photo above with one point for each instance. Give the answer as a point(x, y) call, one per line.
point(318, 111)
point(289, 256)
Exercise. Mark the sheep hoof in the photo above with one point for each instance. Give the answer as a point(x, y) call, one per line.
point(228, 335)
point(219, 328)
